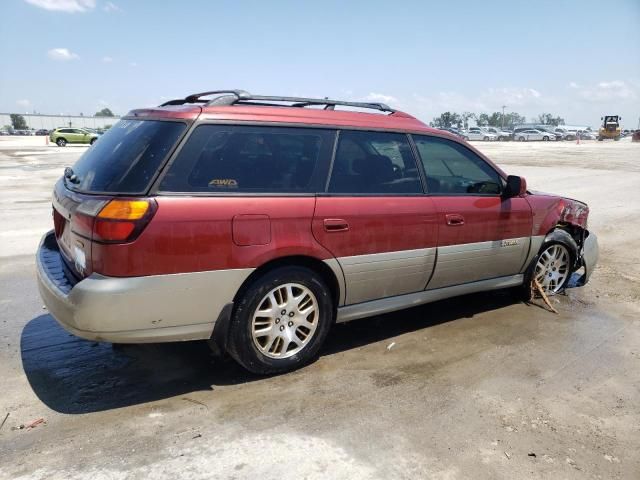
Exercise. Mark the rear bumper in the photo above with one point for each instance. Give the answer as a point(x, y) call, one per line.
point(159, 308)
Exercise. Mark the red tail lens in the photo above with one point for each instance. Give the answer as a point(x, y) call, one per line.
point(122, 220)
point(113, 231)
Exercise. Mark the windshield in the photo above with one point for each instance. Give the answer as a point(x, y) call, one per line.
point(126, 158)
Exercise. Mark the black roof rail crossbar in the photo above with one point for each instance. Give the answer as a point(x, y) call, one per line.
point(196, 97)
point(306, 102)
point(235, 97)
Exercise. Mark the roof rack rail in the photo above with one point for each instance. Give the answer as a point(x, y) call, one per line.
point(241, 97)
point(196, 97)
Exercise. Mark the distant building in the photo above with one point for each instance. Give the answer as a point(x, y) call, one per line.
point(49, 122)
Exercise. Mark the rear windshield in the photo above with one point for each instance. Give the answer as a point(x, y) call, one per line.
point(127, 157)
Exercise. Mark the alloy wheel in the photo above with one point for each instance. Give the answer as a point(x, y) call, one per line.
point(285, 321)
point(552, 269)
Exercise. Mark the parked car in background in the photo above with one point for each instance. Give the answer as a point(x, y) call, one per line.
point(532, 134)
point(454, 131)
point(475, 133)
point(64, 136)
point(502, 135)
point(42, 131)
point(587, 136)
point(556, 135)
point(258, 227)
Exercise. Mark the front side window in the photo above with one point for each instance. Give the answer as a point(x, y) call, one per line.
point(232, 158)
point(374, 163)
point(452, 169)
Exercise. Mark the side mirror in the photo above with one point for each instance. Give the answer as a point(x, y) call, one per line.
point(516, 186)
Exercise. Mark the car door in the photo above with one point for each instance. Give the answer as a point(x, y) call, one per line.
point(82, 136)
point(374, 217)
point(481, 235)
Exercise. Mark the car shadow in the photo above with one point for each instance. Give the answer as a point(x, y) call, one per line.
point(71, 375)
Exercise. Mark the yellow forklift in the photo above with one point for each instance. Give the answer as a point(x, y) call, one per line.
point(610, 127)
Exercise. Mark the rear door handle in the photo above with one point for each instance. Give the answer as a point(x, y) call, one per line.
point(454, 219)
point(335, 225)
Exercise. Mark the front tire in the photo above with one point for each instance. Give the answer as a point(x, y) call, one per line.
point(93, 140)
point(521, 139)
point(545, 139)
point(559, 251)
point(280, 321)
point(61, 142)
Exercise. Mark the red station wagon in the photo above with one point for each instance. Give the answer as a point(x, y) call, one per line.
point(257, 222)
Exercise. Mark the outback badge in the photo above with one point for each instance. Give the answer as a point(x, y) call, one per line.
point(509, 243)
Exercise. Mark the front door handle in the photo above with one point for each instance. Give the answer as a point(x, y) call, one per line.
point(454, 219)
point(335, 225)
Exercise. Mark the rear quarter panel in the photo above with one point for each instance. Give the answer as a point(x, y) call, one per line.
point(192, 234)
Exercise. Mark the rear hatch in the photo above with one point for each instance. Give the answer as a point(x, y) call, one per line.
point(103, 197)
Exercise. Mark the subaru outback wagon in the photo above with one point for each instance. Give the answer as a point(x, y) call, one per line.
point(257, 222)
point(64, 136)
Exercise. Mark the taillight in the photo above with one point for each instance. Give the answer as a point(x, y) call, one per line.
point(122, 220)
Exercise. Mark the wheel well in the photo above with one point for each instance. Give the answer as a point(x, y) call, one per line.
point(572, 235)
point(318, 266)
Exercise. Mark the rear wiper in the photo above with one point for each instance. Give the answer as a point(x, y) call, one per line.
point(69, 175)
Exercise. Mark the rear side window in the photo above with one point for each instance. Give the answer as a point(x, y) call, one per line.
point(374, 163)
point(451, 168)
point(127, 157)
point(232, 158)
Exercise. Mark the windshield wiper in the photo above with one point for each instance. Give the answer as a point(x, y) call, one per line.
point(69, 175)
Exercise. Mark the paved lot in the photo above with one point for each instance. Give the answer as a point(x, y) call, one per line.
point(478, 387)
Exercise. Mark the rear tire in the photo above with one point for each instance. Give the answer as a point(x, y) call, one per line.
point(61, 142)
point(263, 339)
point(521, 139)
point(545, 139)
point(486, 139)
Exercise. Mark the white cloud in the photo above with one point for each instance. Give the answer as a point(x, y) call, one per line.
point(380, 97)
point(103, 103)
point(107, 59)
point(62, 54)
point(23, 102)
point(573, 85)
point(514, 97)
point(133, 64)
point(607, 91)
point(69, 6)
point(111, 7)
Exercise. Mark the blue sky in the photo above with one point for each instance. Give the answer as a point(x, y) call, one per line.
point(570, 58)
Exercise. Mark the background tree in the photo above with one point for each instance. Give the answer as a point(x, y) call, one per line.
point(466, 116)
point(18, 122)
point(512, 119)
point(447, 120)
point(105, 112)
point(548, 119)
point(482, 120)
point(495, 119)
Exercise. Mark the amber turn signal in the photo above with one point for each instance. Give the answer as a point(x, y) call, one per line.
point(124, 210)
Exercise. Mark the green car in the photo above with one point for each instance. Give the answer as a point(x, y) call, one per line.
point(62, 136)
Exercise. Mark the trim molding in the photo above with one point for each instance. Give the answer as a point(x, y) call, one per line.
point(400, 302)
